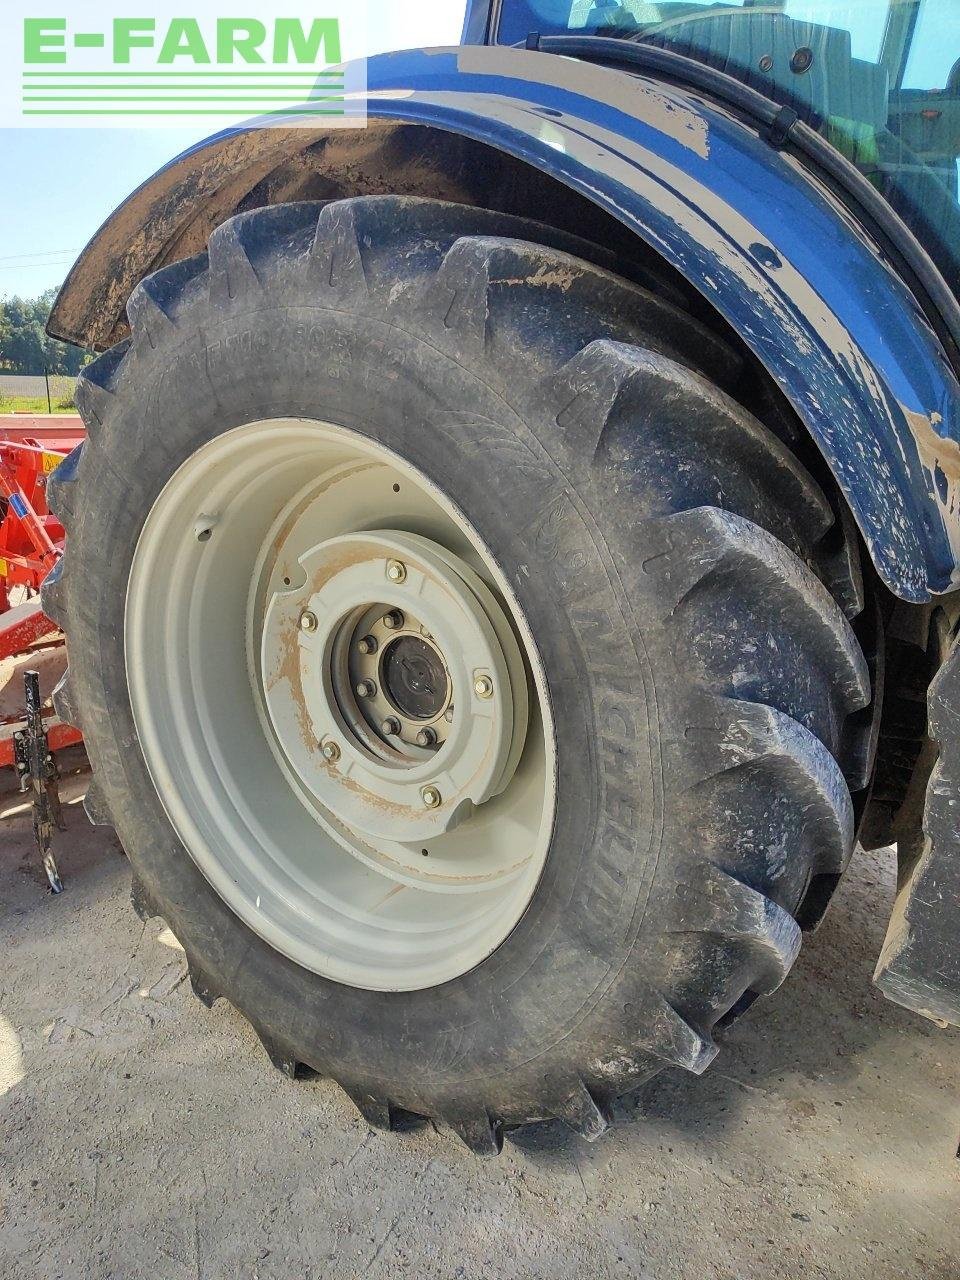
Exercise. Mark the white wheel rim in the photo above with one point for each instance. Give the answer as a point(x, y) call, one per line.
point(358, 853)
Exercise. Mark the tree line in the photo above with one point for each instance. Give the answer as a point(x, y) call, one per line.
point(24, 344)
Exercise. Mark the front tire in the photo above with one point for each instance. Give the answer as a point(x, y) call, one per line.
point(668, 566)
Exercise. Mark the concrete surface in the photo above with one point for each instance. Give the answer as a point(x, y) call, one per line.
point(143, 1136)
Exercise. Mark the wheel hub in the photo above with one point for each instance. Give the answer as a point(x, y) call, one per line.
point(400, 680)
point(375, 702)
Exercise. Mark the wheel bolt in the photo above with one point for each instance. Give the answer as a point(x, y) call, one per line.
point(390, 727)
point(393, 620)
point(448, 715)
point(483, 687)
point(396, 570)
point(431, 797)
point(330, 751)
point(366, 689)
point(367, 644)
point(426, 738)
point(308, 621)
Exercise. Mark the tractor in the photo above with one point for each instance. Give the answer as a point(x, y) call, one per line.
point(514, 555)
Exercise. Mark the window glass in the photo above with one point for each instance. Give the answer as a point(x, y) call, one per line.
point(879, 78)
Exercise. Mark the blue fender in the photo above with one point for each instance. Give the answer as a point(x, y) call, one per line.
point(771, 250)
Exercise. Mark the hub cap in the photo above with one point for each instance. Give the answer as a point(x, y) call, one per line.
point(332, 682)
point(431, 638)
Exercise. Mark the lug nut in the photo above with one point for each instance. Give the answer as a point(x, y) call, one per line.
point(308, 621)
point(426, 738)
point(431, 797)
point(448, 715)
point(390, 727)
point(330, 751)
point(396, 570)
point(367, 644)
point(393, 620)
point(366, 689)
point(483, 687)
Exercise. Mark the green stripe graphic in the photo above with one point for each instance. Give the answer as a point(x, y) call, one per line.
point(198, 90)
point(168, 97)
point(257, 91)
point(283, 111)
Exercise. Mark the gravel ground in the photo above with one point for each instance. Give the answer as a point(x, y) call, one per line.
point(143, 1136)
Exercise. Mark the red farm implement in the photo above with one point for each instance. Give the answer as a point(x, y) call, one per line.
point(31, 542)
point(30, 537)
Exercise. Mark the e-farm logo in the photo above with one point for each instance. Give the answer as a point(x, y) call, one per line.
point(99, 67)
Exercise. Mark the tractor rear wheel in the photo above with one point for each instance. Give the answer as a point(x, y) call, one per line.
point(469, 676)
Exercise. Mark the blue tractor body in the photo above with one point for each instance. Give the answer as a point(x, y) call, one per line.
point(772, 249)
point(746, 206)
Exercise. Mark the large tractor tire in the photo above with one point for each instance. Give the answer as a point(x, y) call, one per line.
point(470, 678)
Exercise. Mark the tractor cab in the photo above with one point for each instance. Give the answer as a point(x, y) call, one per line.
point(879, 79)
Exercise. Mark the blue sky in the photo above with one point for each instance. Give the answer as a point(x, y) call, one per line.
point(60, 185)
